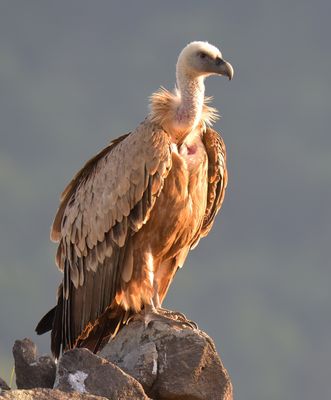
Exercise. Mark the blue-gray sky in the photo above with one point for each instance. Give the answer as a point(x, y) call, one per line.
point(75, 74)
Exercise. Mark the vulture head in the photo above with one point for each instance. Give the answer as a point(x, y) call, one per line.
point(185, 109)
point(201, 59)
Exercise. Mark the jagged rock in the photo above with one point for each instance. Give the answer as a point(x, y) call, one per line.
point(140, 362)
point(47, 394)
point(170, 362)
point(32, 372)
point(83, 371)
point(3, 385)
point(163, 361)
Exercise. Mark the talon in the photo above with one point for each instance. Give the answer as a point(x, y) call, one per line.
point(174, 318)
point(193, 324)
point(151, 314)
point(178, 316)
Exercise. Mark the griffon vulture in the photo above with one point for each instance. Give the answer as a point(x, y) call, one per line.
point(129, 217)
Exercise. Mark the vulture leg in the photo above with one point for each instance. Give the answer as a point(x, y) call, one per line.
point(172, 315)
point(154, 311)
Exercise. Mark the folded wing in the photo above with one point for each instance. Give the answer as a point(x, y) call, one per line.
point(217, 177)
point(101, 209)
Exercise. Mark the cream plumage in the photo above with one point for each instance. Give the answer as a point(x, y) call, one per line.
point(129, 217)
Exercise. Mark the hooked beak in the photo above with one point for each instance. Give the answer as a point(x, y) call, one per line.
point(224, 68)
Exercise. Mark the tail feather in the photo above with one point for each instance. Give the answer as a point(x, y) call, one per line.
point(96, 335)
point(52, 321)
point(46, 323)
point(93, 337)
point(57, 328)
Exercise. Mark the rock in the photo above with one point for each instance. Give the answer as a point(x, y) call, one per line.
point(47, 394)
point(170, 362)
point(30, 371)
point(82, 371)
point(163, 361)
point(3, 385)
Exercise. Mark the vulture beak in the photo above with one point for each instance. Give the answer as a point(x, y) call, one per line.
point(224, 68)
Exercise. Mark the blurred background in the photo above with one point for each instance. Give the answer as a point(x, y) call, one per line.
point(76, 74)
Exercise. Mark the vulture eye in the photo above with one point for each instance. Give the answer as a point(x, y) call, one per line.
point(202, 55)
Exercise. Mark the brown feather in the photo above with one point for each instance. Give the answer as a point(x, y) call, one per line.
point(217, 176)
point(99, 214)
point(76, 181)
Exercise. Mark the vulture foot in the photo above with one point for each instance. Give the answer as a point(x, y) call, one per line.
point(177, 316)
point(174, 318)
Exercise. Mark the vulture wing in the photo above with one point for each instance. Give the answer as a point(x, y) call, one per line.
point(100, 211)
point(217, 177)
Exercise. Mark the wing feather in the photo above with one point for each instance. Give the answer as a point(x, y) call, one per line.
point(217, 177)
point(100, 210)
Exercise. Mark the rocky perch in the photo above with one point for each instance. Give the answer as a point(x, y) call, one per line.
point(160, 362)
